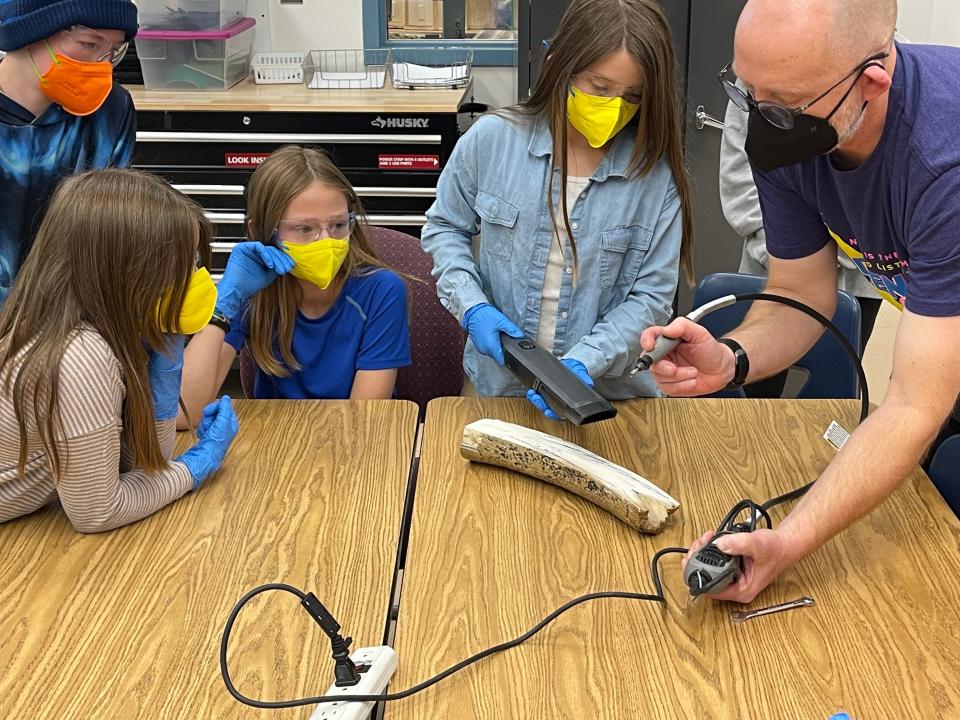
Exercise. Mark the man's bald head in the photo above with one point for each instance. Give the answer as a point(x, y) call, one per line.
point(841, 27)
point(867, 25)
point(805, 45)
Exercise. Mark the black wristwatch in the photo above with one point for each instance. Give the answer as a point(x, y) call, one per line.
point(742, 367)
point(220, 320)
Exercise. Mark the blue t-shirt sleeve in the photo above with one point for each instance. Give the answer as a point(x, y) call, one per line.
point(239, 329)
point(793, 227)
point(386, 333)
point(933, 242)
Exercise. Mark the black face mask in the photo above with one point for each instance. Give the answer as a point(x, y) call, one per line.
point(770, 148)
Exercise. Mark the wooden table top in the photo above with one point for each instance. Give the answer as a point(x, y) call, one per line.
point(492, 552)
point(127, 624)
point(250, 97)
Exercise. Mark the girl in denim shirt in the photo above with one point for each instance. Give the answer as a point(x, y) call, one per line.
point(587, 271)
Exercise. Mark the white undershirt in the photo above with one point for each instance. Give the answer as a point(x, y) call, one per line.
point(559, 261)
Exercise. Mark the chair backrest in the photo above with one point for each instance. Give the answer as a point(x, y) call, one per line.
point(830, 372)
point(436, 339)
point(247, 371)
point(944, 471)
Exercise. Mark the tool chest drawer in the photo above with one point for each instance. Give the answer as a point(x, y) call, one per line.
point(393, 162)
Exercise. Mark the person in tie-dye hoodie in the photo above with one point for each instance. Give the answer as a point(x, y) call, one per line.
point(60, 112)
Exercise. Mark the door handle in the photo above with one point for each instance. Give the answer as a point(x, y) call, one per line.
point(705, 119)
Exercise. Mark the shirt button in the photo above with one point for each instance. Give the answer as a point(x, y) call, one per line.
point(568, 270)
point(563, 315)
point(575, 226)
point(583, 194)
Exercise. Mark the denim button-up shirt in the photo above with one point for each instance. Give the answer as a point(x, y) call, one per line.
point(627, 232)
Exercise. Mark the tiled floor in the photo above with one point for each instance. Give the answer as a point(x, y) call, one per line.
point(878, 358)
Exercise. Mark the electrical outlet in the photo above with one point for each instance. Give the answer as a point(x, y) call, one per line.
point(377, 666)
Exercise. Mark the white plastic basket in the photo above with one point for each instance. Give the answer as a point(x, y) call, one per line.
point(278, 68)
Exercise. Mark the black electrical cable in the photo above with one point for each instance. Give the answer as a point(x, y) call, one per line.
point(387, 697)
point(727, 525)
point(854, 358)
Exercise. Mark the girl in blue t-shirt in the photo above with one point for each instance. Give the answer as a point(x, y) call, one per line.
point(320, 314)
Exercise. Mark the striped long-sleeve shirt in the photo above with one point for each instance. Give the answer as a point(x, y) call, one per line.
point(97, 487)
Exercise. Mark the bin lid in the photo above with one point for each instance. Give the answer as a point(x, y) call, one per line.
point(232, 30)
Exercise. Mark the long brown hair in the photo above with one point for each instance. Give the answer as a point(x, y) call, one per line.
point(590, 30)
point(273, 186)
point(112, 245)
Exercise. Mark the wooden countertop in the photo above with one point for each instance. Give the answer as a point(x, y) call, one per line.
point(250, 97)
point(127, 624)
point(492, 552)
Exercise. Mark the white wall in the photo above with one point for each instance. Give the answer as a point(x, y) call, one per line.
point(316, 25)
point(495, 86)
point(930, 21)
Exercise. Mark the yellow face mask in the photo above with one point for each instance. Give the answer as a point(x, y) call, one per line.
point(198, 303)
point(318, 262)
point(598, 119)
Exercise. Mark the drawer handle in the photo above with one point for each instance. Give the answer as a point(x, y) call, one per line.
point(227, 218)
point(394, 220)
point(209, 189)
point(147, 136)
point(237, 190)
point(396, 192)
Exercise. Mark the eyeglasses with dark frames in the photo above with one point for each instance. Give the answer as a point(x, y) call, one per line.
point(778, 115)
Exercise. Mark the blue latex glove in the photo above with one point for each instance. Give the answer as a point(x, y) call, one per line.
point(579, 369)
point(216, 431)
point(485, 323)
point(164, 368)
point(252, 267)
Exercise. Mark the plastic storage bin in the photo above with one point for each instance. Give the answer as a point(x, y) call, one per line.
point(189, 14)
point(278, 68)
point(188, 60)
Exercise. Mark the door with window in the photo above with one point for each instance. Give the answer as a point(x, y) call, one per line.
point(452, 19)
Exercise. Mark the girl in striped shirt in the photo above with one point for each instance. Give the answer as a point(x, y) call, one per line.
point(91, 348)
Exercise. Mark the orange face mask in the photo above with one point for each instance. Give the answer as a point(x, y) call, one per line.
point(80, 88)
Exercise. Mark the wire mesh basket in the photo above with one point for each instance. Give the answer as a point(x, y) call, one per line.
point(278, 68)
point(433, 67)
point(345, 69)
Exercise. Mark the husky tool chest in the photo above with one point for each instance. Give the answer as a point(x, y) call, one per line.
point(390, 143)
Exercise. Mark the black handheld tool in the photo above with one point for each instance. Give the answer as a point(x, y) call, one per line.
point(536, 368)
point(710, 570)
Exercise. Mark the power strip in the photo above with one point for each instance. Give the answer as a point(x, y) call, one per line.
point(376, 665)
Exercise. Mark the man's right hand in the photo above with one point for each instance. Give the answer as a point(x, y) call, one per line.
point(698, 366)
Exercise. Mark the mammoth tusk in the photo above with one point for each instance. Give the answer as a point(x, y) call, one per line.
point(621, 492)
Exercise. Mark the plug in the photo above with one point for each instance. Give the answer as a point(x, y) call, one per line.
point(344, 670)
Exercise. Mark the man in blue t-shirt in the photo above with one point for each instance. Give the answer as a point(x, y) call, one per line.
point(852, 139)
point(59, 110)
